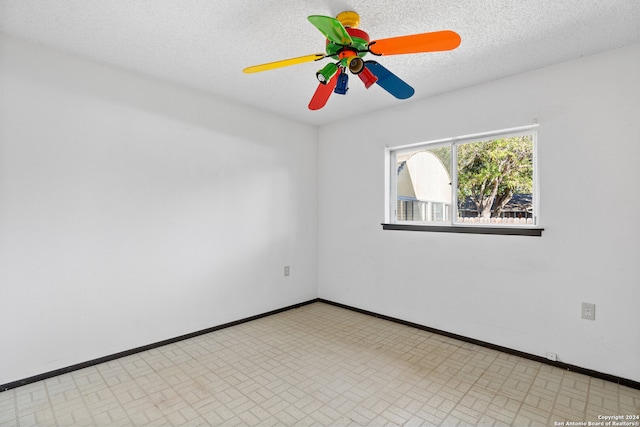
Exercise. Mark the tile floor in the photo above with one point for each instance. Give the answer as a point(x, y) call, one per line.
point(317, 365)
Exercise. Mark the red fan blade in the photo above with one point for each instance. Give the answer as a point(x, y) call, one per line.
point(416, 43)
point(322, 93)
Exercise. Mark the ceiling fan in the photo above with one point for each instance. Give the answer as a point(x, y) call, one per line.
point(347, 44)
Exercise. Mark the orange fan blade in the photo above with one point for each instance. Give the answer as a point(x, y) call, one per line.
point(416, 43)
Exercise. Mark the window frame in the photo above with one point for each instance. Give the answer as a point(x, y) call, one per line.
point(453, 225)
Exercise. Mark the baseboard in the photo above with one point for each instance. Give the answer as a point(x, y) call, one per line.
point(50, 374)
point(568, 367)
point(608, 377)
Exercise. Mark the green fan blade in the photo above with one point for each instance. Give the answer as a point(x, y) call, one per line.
point(332, 29)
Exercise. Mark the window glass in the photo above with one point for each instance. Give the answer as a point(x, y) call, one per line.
point(424, 185)
point(466, 181)
point(495, 180)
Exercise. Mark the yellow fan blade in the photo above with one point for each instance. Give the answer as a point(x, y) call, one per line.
point(284, 63)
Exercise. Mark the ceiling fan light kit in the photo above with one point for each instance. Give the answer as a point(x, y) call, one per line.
point(348, 45)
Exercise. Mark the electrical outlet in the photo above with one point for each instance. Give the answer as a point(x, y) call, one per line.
point(286, 270)
point(588, 311)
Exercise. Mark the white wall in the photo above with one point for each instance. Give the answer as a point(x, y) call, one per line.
point(515, 291)
point(133, 211)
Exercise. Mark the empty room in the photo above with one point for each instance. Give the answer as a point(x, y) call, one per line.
point(319, 213)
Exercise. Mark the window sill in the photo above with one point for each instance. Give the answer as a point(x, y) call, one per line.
point(505, 231)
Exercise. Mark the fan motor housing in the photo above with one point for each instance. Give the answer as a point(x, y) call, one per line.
point(360, 42)
point(349, 18)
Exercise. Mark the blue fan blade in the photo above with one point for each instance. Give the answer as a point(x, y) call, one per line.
point(389, 81)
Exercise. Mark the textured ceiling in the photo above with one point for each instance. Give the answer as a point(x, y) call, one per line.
point(205, 44)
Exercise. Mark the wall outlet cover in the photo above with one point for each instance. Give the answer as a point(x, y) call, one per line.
point(588, 311)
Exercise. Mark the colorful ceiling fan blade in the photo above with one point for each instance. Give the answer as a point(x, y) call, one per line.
point(332, 29)
point(322, 93)
point(284, 63)
point(416, 43)
point(389, 81)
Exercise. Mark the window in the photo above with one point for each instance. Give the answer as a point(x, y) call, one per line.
point(478, 183)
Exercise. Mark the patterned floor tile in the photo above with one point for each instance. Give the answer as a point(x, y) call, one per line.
point(317, 365)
